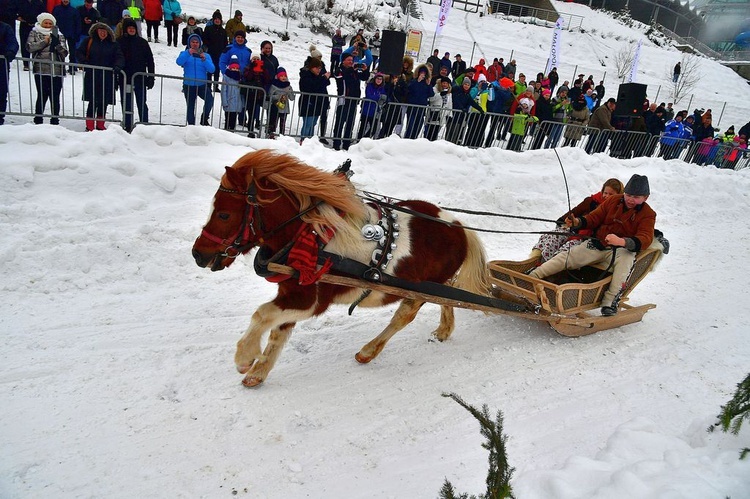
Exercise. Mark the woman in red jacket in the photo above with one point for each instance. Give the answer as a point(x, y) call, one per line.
point(153, 14)
point(551, 244)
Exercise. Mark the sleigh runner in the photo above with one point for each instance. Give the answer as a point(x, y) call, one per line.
point(558, 301)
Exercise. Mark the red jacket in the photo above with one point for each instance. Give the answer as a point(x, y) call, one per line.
point(613, 217)
point(152, 10)
point(479, 69)
point(584, 208)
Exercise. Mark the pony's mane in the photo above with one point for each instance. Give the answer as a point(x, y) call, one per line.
point(306, 184)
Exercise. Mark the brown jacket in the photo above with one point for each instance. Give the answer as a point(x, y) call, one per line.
point(601, 118)
point(613, 217)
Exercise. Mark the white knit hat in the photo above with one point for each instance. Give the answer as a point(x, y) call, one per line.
point(44, 15)
point(526, 102)
point(314, 52)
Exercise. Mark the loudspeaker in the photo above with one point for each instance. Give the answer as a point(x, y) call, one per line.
point(392, 52)
point(630, 99)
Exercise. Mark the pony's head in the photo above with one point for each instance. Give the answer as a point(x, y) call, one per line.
point(263, 199)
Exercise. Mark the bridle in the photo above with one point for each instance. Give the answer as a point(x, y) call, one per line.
point(241, 241)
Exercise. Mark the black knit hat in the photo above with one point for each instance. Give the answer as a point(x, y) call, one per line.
point(637, 186)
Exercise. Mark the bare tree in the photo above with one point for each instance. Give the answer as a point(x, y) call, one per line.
point(689, 77)
point(624, 60)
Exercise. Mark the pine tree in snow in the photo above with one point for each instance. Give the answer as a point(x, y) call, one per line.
point(499, 473)
point(736, 410)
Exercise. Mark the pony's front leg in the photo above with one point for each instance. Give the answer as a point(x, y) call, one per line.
point(405, 313)
point(276, 341)
point(264, 318)
point(447, 323)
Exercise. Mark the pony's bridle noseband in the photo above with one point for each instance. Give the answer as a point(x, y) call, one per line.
point(241, 241)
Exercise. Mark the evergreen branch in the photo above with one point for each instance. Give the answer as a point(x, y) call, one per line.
point(499, 473)
point(735, 412)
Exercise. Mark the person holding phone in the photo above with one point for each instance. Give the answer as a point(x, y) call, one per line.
point(196, 64)
point(47, 48)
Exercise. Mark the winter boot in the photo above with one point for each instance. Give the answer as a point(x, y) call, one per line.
point(89, 125)
point(100, 123)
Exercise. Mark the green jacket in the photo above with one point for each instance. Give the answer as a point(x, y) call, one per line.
point(520, 120)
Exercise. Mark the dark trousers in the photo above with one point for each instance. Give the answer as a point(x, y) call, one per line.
point(366, 126)
point(24, 34)
point(335, 61)
point(192, 92)
point(4, 75)
point(276, 118)
point(515, 142)
point(597, 142)
point(414, 122)
point(48, 88)
point(344, 123)
point(322, 129)
point(496, 122)
point(153, 25)
point(171, 32)
point(126, 97)
point(475, 129)
point(389, 119)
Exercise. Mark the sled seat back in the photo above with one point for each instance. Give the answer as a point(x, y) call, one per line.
point(568, 292)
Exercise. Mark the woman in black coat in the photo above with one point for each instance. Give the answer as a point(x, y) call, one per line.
point(99, 49)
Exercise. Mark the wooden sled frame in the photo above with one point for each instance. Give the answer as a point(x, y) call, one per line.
point(568, 303)
point(563, 306)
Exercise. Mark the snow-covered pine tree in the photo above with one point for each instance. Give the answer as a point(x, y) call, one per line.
point(499, 473)
point(735, 411)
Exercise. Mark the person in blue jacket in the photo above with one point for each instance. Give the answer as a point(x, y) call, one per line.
point(674, 131)
point(375, 97)
point(362, 55)
point(172, 9)
point(238, 55)
point(418, 96)
point(195, 64)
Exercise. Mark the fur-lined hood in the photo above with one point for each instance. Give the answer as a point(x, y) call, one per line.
point(96, 26)
point(426, 68)
point(409, 60)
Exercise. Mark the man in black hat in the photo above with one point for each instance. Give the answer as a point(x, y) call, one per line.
point(234, 24)
point(622, 225)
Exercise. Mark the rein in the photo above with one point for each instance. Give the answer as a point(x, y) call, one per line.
point(380, 200)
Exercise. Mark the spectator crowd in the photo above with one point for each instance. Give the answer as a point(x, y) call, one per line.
point(477, 106)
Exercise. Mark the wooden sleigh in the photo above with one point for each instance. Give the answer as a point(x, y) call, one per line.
point(569, 296)
point(565, 305)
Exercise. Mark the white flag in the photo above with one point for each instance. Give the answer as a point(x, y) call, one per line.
point(445, 8)
point(634, 66)
point(554, 52)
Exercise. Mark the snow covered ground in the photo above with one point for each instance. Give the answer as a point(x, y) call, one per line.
point(117, 377)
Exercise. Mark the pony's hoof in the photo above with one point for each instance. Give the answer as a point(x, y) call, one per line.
point(243, 369)
point(251, 381)
point(361, 358)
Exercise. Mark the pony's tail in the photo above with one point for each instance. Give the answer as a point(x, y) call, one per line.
point(474, 276)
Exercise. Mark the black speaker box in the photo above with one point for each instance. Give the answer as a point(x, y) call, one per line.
point(392, 52)
point(630, 99)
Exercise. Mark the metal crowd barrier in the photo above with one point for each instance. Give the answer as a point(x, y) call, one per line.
point(342, 121)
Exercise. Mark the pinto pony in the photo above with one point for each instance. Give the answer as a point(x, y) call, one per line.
point(266, 199)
